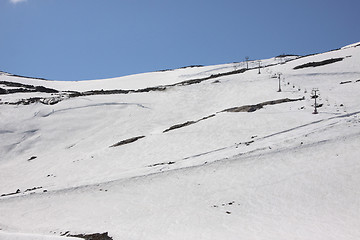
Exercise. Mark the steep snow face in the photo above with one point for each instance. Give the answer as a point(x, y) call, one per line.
point(212, 152)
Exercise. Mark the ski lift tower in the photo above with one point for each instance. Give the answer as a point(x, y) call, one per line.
point(247, 61)
point(315, 95)
point(279, 77)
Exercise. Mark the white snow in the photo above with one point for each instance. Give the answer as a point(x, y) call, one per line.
point(22, 236)
point(144, 80)
point(280, 172)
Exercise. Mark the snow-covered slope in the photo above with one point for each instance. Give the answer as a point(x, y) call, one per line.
point(211, 152)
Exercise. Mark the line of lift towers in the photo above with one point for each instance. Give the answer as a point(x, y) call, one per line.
point(314, 92)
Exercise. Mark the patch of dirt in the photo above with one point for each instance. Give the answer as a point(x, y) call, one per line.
point(286, 55)
point(19, 87)
point(159, 164)
point(46, 101)
point(186, 123)
point(32, 158)
point(246, 108)
point(127, 141)
point(253, 108)
point(179, 126)
point(93, 236)
point(317, 64)
point(345, 82)
point(248, 143)
point(9, 194)
point(32, 189)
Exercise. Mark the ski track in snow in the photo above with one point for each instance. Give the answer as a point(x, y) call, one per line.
point(95, 105)
point(253, 154)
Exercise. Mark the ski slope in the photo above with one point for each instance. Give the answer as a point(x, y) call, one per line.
point(176, 156)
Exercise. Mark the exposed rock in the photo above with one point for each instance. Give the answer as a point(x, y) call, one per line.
point(317, 64)
point(93, 236)
point(345, 82)
point(248, 143)
point(127, 141)
point(19, 87)
point(159, 164)
point(32, 189)
point(286, 55)
point(180, 125)
point(32, 158)
point(9, 194)
point(187, 123)
point(253, 108)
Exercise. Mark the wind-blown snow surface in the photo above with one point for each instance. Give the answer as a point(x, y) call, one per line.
point(279, 172)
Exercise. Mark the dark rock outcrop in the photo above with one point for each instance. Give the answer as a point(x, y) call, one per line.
point(317, 64)
point(127, 141)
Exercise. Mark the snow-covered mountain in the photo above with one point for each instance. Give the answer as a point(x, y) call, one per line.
point(202, 152)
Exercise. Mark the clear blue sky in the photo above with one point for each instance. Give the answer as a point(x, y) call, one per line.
point(92, 39)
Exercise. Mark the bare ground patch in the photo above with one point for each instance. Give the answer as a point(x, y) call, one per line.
point(317, 64)
point(253, 108)
point(245, 108)
point(186, 123)
point(127, 141)
point(93, 236)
